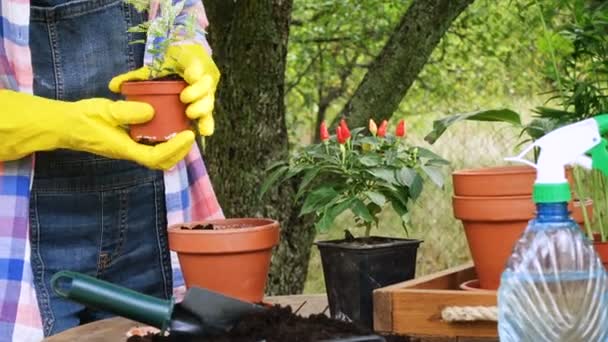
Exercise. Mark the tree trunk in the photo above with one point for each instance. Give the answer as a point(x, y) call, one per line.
point(249, 41)
point(401, 60)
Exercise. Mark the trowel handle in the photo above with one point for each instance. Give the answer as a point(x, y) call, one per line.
point(116, 299)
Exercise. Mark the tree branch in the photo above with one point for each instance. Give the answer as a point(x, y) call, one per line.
point(407, 51)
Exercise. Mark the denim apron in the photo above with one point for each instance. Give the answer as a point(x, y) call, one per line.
point(102, 217)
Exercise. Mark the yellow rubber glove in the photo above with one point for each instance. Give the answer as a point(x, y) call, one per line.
point(192, 63)
point(30, 123)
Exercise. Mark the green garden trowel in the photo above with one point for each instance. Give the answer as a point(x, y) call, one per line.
point(201, 313)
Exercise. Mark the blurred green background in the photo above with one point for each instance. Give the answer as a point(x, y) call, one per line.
point(494, 56)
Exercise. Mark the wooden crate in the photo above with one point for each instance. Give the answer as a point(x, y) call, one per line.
point(414, 307)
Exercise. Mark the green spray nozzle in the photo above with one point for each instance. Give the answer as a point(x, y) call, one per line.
point(602, 122)
point(599, 157)
point(578, 143)
point(599, 152)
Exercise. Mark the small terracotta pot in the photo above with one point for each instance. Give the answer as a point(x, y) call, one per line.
point(169, 112)
point(232, 259)
point(601, 248)
point(495, 211)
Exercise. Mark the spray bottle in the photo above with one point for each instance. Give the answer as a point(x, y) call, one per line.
point(554, 286)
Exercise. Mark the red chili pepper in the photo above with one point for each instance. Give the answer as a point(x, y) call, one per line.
point(340, 135)
point(324, 133)
point(400, 130)
point(382, 129)
point(373, 128)
point(345, 130)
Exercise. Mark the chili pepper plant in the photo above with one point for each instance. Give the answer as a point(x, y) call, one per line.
point(364, 172)
point(361, 171)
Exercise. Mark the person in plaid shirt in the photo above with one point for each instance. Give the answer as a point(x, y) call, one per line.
point(75, 192)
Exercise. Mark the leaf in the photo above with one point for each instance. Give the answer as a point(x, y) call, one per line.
point(385, 174)
point(272, 178)
point(538, 127)
point(416, 187)
point(359, 209)
point(546, 112)
point(275, 165)
point(434, 173)
point(317, 199)
point(329, 214)
point(296, 169)
point(403, 213)
point(432, 156)
point(308, 177)
point(374, 209)
point(496, 115)
point(371, 160)
point(406, 176)
point(376, 197)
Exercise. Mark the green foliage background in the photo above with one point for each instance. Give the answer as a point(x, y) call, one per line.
point(494, 56)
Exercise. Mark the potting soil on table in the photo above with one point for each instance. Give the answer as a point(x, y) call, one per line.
point(280, 324)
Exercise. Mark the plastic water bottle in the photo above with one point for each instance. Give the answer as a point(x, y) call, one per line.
point(554, 287)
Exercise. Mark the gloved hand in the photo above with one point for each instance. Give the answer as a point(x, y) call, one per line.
point(195, 66)
point(30, 123)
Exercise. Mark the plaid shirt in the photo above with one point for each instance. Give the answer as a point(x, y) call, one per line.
point(189, 194)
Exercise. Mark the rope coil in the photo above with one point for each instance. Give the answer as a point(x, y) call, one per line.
point(469, 313)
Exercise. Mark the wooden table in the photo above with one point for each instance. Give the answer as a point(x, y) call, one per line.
point(114, 329)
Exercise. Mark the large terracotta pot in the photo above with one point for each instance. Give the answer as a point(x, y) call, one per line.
point(169, 112)
point(495, 205)
point(233, 258)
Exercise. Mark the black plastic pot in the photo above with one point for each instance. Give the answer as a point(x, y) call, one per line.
point(353, 269)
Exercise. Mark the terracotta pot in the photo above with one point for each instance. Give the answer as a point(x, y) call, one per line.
point(232, 259)
point(473, 285)
point(497, 181)
point(495, 214)
point(601, 248)
point(169, 112)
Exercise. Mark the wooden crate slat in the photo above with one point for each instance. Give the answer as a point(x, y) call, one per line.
point(419, 312)
point(414, 307)
point(383, 308)
point(446, 279)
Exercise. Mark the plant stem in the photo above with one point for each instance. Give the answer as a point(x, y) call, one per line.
point(598, 193)
point(551, 50)
point(604, 198)
point(368, 229)
point(580, 194)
